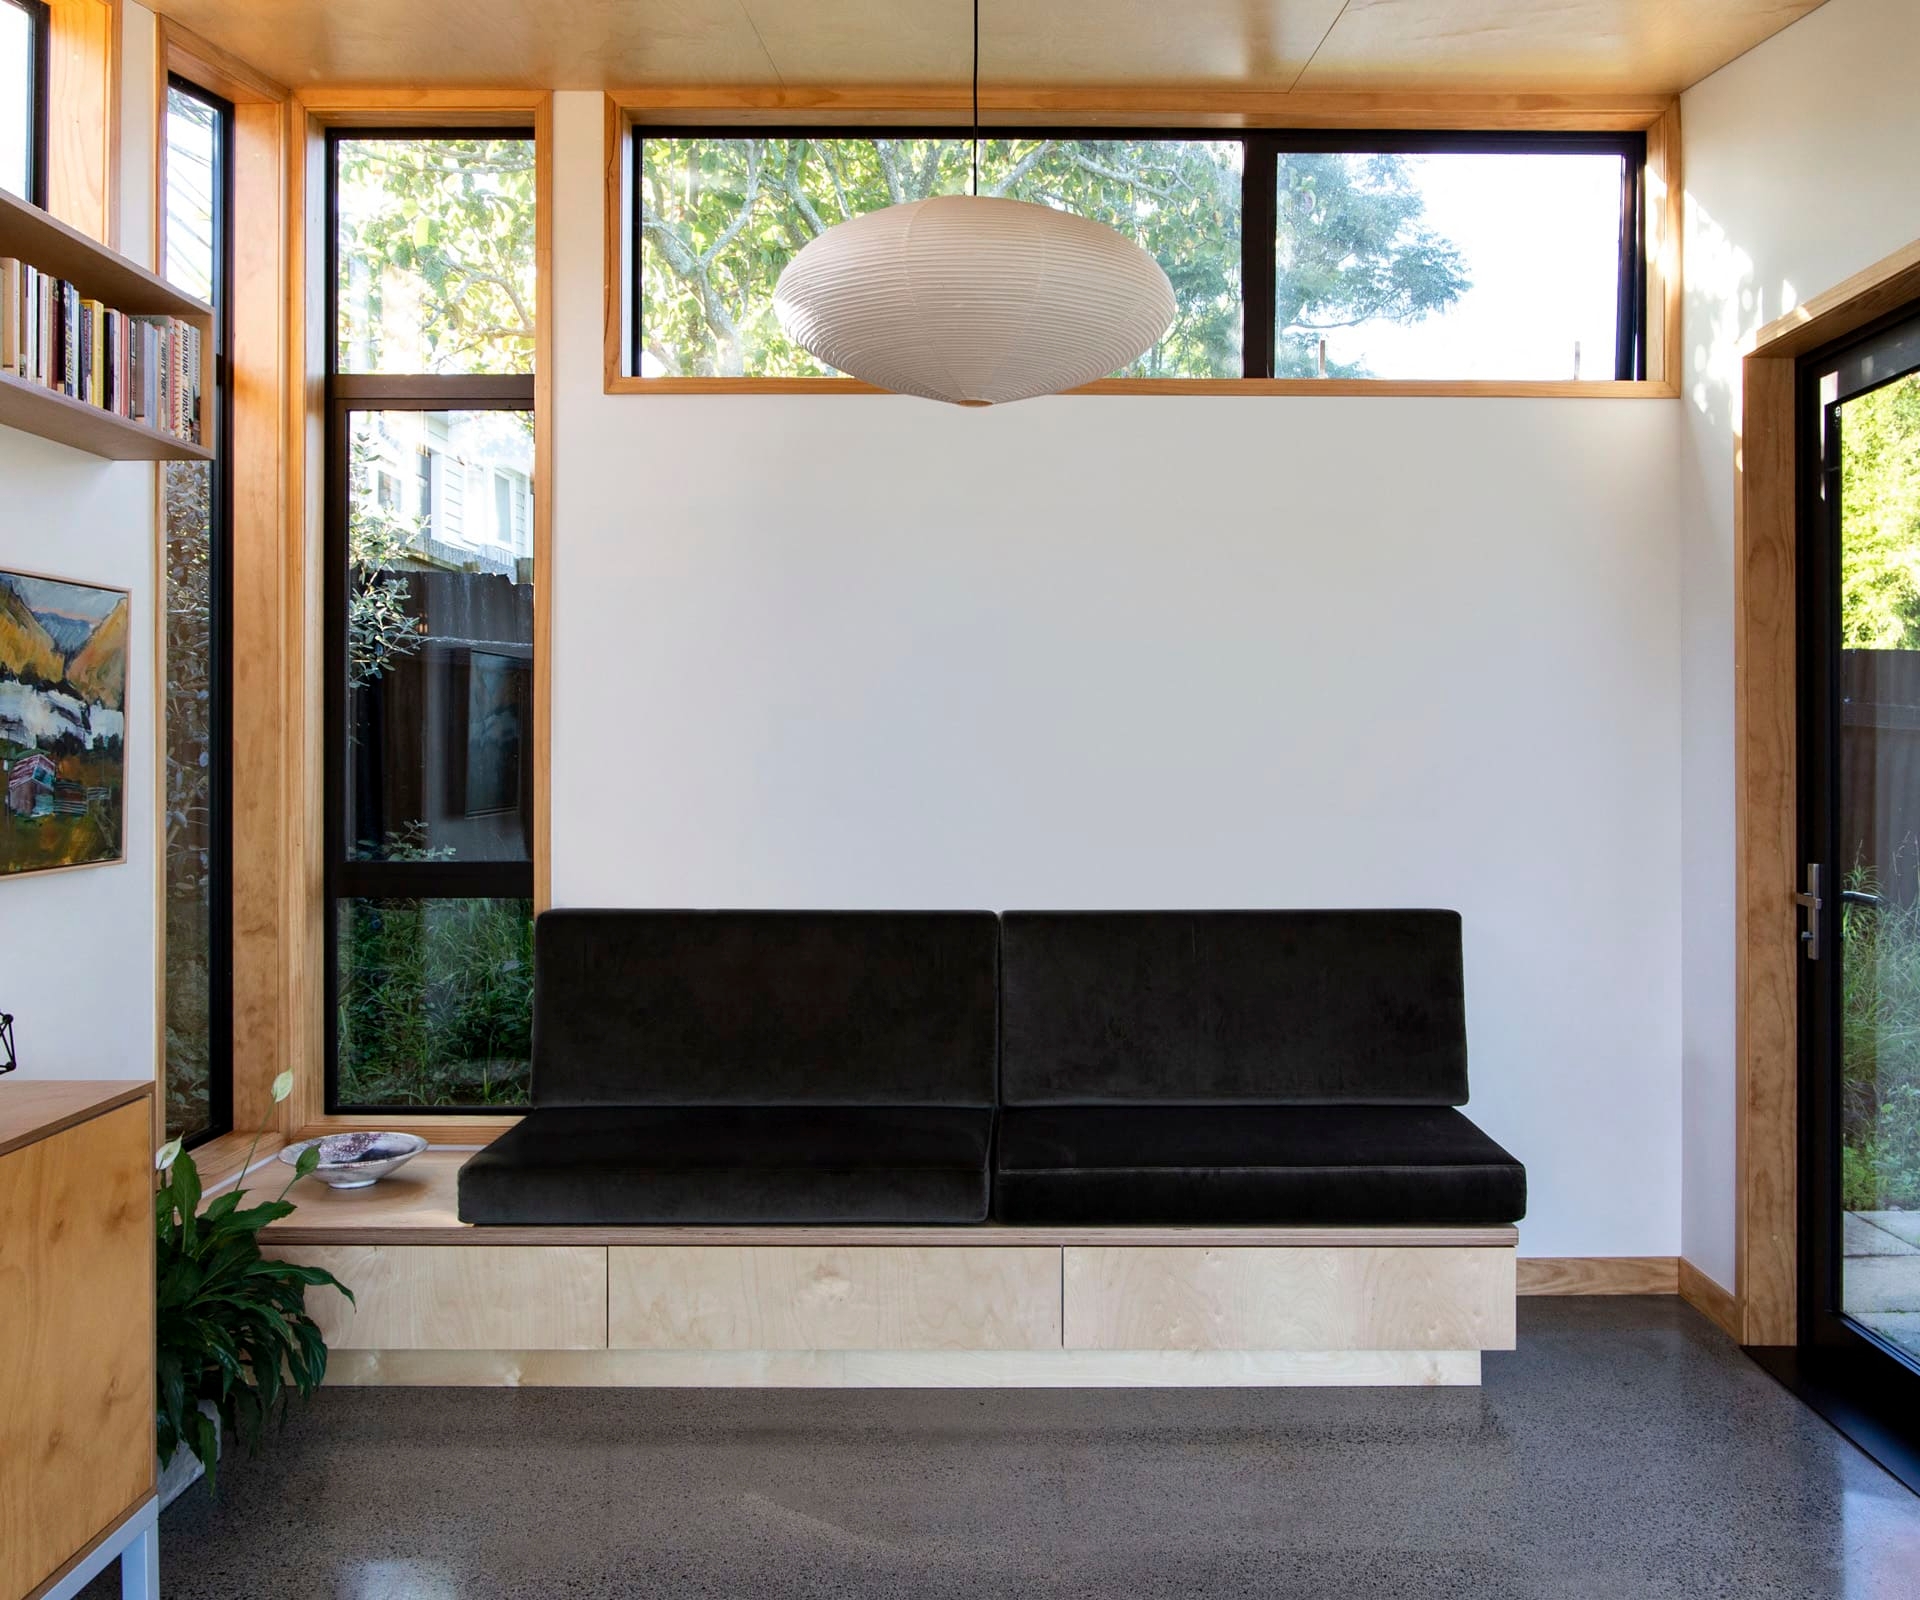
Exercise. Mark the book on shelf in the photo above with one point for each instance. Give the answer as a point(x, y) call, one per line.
point(144, 368)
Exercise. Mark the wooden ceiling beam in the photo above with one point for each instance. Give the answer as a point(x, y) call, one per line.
point(1132, 105)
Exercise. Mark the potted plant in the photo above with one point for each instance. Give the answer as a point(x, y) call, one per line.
point(234, 1338)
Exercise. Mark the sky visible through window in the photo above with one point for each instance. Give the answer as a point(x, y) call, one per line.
point(1540, 240)
point(16, 78)
point(190, 166)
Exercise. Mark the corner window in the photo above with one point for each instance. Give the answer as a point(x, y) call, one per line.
point(430, 574)
point(197, 256)
point(23, 94)
point(1291, 254)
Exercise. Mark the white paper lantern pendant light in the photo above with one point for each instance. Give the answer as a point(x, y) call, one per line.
point(973, 300)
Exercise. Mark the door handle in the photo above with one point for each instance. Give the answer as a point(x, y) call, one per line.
point(1810, 902)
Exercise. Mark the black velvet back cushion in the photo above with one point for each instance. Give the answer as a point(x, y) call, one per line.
point(1229, 1007)
point(764, 1008)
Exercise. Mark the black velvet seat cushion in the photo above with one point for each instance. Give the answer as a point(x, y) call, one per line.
point(1182, 1165)
point(663, 1165)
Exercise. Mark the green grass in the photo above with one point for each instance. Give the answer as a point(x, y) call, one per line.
point(436, 1002)
point(1880, 1056)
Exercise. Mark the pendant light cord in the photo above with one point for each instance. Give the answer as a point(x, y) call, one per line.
point(976, 99)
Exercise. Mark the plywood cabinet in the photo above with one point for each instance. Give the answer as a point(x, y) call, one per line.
point(76, 1322)
point(441, 1301)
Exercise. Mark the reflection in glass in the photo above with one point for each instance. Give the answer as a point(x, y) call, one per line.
point(440, 636)
point(193, 131)
point(435, 1002)
point(720, 218)
point(1879, 805)
point(193, 604)
point(436, 255)
point(1447, 266)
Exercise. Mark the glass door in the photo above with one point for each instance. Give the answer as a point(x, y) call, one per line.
point(1860, 806)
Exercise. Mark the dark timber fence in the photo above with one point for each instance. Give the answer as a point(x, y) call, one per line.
point(1880, 771)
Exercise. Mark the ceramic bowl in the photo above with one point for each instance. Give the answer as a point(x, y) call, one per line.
point(354, 1160)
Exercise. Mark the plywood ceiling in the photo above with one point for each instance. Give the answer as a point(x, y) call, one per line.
point(1547, 46)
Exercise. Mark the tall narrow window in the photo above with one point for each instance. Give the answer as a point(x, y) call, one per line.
point(430, 620)
point(23, 99)
point(197, 257)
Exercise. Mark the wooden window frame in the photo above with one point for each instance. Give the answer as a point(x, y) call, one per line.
point(731, 110)
point(317, 112)
point(262, 1029)
point(1766, 712)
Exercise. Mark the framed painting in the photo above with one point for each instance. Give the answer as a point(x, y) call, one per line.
point(63, 723)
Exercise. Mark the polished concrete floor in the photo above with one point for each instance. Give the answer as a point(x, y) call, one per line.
point(1626, 1449)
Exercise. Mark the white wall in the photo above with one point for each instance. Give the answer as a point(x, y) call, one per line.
point(1799, 171)
point(77, 948)
point(1128, 652)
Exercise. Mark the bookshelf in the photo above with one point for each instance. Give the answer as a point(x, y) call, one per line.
point(28, 233)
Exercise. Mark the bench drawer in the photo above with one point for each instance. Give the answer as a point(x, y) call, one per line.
point(1346, 1298)
point(949, 1297)
point(459, 1297)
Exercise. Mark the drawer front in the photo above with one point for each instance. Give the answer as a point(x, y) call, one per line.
point(459, 1297)
point(951, 1297)
point(1360, 1298)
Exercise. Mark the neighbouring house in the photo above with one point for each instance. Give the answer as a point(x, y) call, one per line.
point(462, 482)
point(30, 786)
point(69, 798)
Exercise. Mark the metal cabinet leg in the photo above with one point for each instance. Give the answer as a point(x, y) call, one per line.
point(140, 1566)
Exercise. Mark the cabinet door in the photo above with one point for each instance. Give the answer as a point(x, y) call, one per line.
point(878, 1297)
point(76, 1339)
point(459, 1296)
point(1378, 1297)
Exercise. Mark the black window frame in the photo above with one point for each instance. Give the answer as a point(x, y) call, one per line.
point(220, 716)
point(1258, 202)
point(345, 394)
point(39, 71)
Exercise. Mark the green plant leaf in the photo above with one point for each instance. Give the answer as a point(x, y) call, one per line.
point(231, 1326)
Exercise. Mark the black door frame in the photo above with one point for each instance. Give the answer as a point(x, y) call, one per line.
point(1858, 1380)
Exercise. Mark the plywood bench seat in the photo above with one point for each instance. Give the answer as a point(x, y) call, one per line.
point(442, 1301)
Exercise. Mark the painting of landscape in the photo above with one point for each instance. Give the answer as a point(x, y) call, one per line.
point(63, 701)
